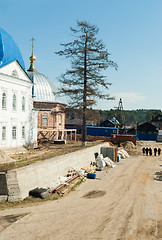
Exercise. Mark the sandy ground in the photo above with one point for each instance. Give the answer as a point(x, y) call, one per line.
point(122, 203)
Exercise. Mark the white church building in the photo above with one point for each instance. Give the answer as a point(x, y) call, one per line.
point(18, 118)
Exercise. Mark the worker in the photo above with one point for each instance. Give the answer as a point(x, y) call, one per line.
point(146, 151)
point(159, 151)
point(155, 151)
point(143, 150)
point(150, 151)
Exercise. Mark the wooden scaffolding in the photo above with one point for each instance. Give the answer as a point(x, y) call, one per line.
point(56, 134)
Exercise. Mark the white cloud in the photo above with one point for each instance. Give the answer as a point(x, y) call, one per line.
point(130, 97)
point(130, 100)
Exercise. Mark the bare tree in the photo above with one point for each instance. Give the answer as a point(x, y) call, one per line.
point(84, 82)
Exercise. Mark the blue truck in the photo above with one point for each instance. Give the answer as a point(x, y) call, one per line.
point(101, 131)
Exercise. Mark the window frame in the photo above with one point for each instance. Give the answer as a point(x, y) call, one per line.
point(23, 132)
point(14, 132)
point(44, 120)
point(14, 102)
point(4, 100)
point(4, 133)
point(23, 105)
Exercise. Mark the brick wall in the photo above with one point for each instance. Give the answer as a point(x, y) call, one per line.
point(55, 113)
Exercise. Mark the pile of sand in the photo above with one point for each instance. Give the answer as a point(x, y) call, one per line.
point(129, 145)
point(131, 148)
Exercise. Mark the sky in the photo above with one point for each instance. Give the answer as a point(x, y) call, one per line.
point(131, 31)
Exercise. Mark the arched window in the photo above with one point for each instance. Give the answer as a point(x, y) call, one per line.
point(23, 103)
point(4, 100)
point(14, 102)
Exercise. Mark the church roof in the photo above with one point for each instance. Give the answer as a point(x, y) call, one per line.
point(43, 89)
point(9, 50)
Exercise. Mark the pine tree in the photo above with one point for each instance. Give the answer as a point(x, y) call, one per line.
point(84, 82)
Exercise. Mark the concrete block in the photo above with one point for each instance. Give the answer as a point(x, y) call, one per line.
point(110, 152)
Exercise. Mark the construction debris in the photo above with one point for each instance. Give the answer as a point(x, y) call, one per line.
point(63, 185)
point(89, 168)
point(102, 162)
point(122, 153)
point(109, 162)
point(39, 193)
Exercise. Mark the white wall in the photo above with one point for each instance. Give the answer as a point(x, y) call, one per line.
point(10, 68)
point(18, 118)
point(41, 174)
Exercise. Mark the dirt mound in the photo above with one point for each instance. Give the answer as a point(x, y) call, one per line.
point(131, 148)
point(129, 145)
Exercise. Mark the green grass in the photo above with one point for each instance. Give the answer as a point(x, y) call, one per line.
point(73, 188)
point(29, 201)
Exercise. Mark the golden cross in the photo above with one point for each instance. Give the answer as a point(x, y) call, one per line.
point(33, 39)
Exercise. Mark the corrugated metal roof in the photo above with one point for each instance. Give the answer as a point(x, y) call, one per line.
point(43, 91)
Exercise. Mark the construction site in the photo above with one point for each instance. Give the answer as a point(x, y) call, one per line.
point(71, 167)
point(93, 193)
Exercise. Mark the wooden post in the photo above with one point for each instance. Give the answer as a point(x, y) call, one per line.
point(75, 134)
point(66, 135)
point(71, 136)
point(62, 134)
point(57, 135)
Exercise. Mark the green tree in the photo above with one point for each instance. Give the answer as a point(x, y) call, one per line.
point(84, 82)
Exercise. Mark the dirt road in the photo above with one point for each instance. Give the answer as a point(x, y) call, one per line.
point(123, 203)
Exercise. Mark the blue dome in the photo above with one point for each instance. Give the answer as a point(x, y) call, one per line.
point(9, 50)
